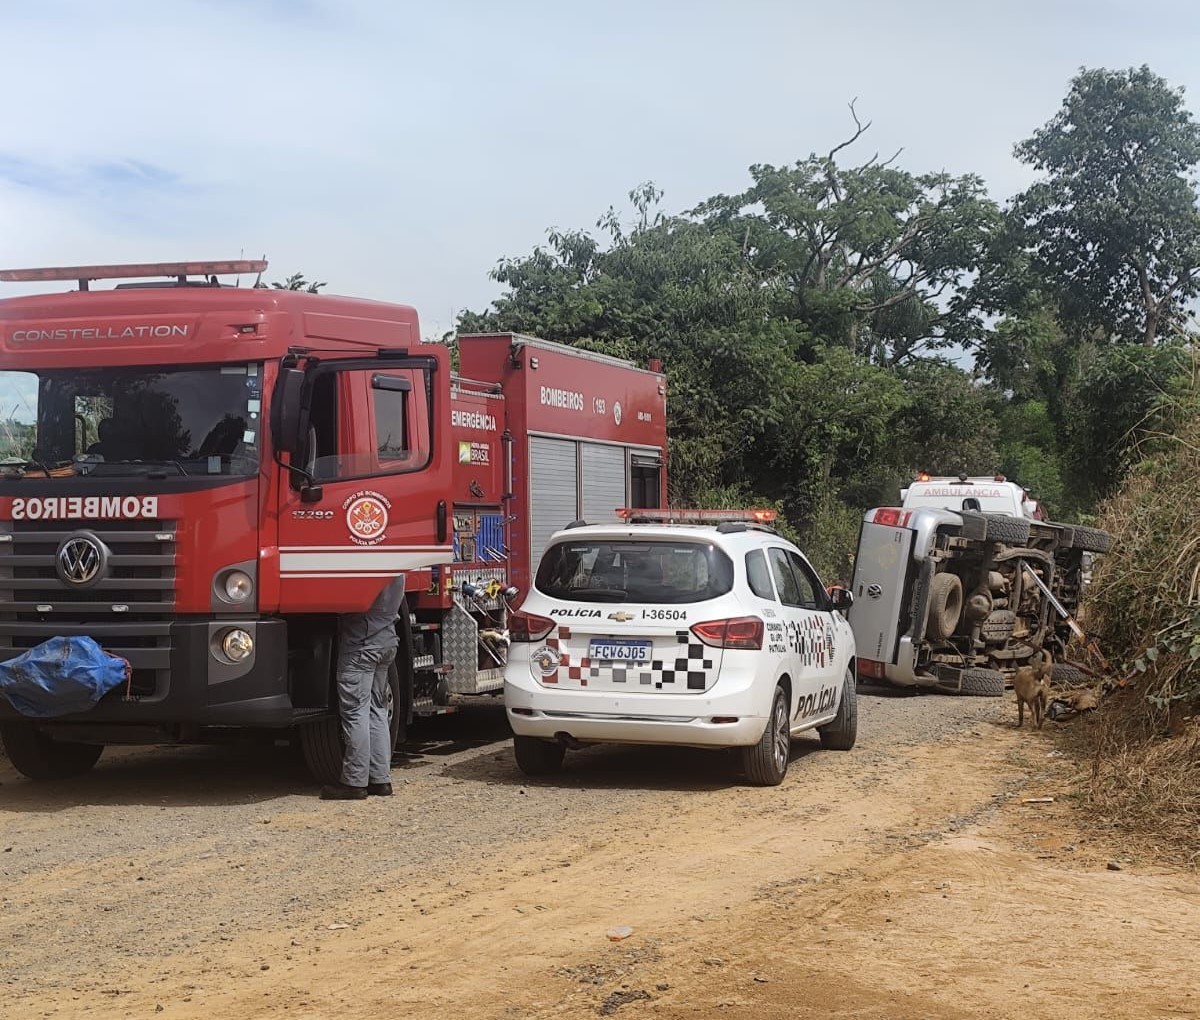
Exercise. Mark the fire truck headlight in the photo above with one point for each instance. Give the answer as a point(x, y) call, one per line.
point(238, 586)
point(237, 645)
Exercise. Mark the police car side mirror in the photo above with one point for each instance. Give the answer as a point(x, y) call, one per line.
point(286, 409)
point(843, 599)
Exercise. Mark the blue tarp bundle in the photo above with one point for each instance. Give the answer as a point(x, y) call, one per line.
point(60, 676)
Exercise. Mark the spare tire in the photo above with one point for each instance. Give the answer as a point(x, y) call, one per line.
point(945, 606)
point(999, 625)
point(1091, 540)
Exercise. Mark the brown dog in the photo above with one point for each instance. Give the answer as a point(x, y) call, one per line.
point(1032, 684)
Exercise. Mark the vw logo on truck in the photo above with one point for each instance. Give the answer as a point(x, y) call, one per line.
point(81, 559)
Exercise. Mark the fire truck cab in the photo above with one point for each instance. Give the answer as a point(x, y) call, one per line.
point(203, 477)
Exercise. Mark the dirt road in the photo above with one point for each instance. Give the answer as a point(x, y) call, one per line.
point(908, 878)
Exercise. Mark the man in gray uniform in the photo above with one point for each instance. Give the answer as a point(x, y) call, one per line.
point(366, 648)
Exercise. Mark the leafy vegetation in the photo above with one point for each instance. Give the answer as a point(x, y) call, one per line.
point(840, 324)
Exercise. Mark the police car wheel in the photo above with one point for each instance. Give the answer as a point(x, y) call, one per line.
point(538, 757)
point(840, 734)
point(766, 762)
point(37, 757)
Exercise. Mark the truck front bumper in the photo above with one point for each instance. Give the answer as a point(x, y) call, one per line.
point(185, 679)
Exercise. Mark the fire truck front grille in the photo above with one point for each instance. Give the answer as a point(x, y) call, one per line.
point(127, 610)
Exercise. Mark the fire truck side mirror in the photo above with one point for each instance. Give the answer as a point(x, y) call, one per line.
point(285, 411)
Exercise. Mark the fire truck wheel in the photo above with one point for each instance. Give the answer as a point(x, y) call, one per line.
point(322, 743)
point(945, 606)
point(36, 756)
point(538, 757)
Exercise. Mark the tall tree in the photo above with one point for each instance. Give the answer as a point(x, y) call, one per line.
point(1112, 225)
point(871, 257)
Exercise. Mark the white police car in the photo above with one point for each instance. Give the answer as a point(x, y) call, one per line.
point(665, 631)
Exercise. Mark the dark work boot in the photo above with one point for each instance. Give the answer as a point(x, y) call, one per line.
point(340, 791)
point(379, 789)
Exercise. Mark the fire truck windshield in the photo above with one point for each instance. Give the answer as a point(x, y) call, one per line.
point(123, 421)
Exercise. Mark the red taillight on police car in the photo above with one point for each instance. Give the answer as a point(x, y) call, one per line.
point(739, 632)
point(891, 516)
point(527, 627)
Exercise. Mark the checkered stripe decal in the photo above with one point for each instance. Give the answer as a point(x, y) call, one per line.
point(689, 670)
point(812, 640)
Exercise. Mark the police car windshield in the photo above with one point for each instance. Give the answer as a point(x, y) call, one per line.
point(123, 421)
point(614, 570)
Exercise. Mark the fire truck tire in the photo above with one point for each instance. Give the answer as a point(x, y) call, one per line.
point(1091, 540)
point(982, 683)
point(322, 743)
point(537, 757)
point(1008, 530)
point(840, 734)
point(36, 756)
point(945, 606)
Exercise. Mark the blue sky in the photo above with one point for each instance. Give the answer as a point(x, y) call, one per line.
point(397, 150)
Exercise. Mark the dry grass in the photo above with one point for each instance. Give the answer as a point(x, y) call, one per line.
point(1137, 781)
point(1144, 610)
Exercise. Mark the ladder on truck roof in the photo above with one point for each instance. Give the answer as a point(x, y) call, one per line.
point(136, 270)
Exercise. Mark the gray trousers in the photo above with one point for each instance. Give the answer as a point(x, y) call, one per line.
point(362, 695)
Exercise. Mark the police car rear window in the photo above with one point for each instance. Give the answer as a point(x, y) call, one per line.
point(665, 573)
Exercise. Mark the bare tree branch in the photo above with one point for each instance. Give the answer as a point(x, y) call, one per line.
point(860, 128)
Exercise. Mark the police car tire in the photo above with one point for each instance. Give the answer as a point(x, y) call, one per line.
point(945, 606)
point(1008, 530)
point(1091, 540)
point(37, 757)
point(537, 757)
point(1063, 674)
point(761, 762)
point(982, 683)
point(322, 742)
point(840, 734)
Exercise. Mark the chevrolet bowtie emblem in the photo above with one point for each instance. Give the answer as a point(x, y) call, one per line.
point(621, 617)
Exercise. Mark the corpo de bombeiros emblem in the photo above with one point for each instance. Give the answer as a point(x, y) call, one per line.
point(367, 517)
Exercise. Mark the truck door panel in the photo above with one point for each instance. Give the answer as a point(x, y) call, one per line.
point(372, 450)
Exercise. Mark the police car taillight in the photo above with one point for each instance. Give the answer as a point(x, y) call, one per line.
point(892, 517)
point(738, 632)
point(527, 627)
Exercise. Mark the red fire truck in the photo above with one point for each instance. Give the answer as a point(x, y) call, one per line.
point(202, 476)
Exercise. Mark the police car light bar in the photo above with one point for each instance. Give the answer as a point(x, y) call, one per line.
point(696, 516)
point(135, 270)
